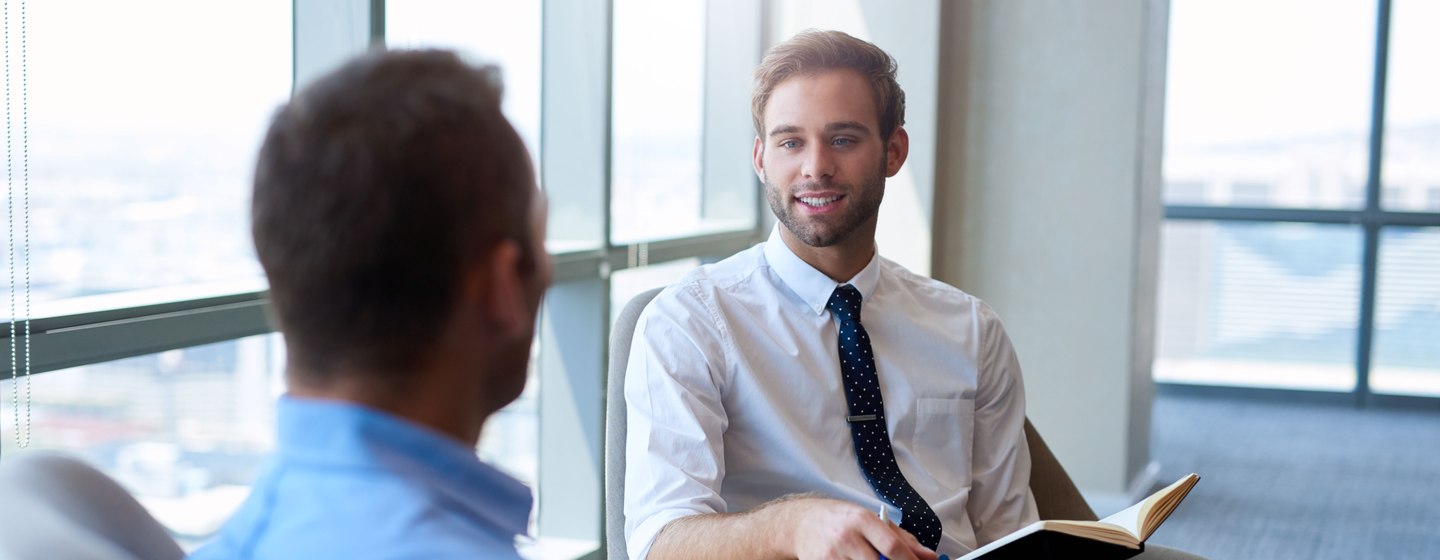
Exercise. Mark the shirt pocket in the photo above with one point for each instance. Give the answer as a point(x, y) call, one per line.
point(943, 434)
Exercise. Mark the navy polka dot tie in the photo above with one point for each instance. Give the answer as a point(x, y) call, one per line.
point(867, 421)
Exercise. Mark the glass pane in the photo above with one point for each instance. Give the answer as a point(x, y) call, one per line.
point(185, 431)
point(144, 119)
point(501, 32)
point(1406, 358)
point(1412, 109)
point(1271, 305)
point(1268, 103)
point(657, 112)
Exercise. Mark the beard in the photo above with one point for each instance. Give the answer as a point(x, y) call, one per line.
point(863, 204)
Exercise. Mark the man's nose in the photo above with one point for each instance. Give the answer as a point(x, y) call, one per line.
point(818, 164)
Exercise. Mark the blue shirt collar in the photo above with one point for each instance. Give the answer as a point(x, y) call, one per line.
point(339, 434)
point(813, 286)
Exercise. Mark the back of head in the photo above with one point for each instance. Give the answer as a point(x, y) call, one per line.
point(375, 187)
point(813, 51)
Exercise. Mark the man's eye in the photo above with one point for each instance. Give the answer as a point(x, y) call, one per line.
point(789, 144)
point(842, 142)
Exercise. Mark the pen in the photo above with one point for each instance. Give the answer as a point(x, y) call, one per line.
point(884, 518)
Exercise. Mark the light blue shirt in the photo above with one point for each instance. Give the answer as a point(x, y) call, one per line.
point(351, 482)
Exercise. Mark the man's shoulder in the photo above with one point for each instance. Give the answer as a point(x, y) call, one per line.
point(291, 515)
point(929, 295)
point(925, 288)
point(706, 282)
point(414, 543)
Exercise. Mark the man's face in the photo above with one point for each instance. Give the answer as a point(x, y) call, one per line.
point(535, 283)
point(822, 159)
point(512, 362)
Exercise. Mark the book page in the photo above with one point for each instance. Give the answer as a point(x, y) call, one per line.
point(1143, 518)
point(1160, 505)
point(1129, 518)
point(1095, 531)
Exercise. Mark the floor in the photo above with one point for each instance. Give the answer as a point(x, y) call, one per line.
point(1300, 480)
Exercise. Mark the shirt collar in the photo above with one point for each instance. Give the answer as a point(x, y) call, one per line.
point(337, 433)
point(813, 286)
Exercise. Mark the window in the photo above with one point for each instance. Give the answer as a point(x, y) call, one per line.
point(1311, 270)
point(142, 138)
point(658, 109)
point(1272, 305)
point(1245, 107)
point(1250, 194)
point(680, 121)
point(1412, 112)
point(505, 33)
point(185, 431)
point(1407, 318)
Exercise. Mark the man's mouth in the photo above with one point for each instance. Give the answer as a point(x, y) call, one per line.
point(819, 201)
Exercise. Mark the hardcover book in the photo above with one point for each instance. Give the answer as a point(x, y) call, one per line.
point(1122, 535)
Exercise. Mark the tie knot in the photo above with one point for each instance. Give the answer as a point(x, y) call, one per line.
point(845, 303)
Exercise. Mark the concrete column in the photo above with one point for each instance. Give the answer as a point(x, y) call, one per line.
point(1047, 206)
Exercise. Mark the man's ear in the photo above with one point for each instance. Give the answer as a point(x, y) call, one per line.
point(758, 159)
point(495, 289)
point(896, 150)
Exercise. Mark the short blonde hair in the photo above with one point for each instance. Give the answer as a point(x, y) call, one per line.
point(813, 51)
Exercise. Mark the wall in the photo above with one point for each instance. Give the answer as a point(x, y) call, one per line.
point(1047, 207)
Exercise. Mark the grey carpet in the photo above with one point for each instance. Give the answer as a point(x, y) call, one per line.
point(1314, 481)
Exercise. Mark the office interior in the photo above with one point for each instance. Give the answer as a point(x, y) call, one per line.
point(1212, 229)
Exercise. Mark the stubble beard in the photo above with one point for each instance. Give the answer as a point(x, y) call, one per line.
point(864, 205)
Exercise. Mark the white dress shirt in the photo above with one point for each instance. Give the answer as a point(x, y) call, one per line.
point(734, 398)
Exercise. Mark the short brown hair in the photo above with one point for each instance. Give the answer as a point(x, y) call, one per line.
point(375, 188)
point(814, 51)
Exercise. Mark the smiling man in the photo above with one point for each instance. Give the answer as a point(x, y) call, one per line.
point(778, 399)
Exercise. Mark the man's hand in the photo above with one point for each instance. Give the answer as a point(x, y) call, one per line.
point(798, 526)
point(825, 528)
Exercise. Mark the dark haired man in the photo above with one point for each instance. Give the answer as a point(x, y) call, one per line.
point(397, 219)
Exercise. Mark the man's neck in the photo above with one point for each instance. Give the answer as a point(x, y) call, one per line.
point(841, 261)
point(428, 404)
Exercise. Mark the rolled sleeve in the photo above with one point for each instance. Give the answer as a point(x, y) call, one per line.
point(674, 453)
point(1000, 500)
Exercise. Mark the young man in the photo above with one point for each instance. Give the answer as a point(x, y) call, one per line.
point(397, 218)
point(780, 398)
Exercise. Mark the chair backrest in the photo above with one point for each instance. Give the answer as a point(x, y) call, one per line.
point(620, 336)
point(1056, 496)
point(56, 507)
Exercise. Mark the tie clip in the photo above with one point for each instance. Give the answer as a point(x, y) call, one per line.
point(861, 418)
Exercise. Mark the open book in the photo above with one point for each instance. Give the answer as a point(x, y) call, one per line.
point(1119, 536)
